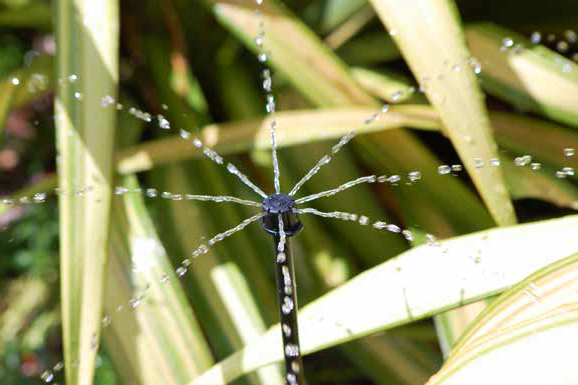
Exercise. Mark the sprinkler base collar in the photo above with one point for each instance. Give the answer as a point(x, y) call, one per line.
point(283, 204)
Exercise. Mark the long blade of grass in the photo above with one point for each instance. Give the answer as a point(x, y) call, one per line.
point(433, 46)
point(530, 76)
point(293, 128)
point(23, 85)
point(523, 327)
point(157, 343)
point(418, 283)
point(85, 135)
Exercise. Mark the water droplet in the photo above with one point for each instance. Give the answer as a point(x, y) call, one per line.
point(569, 152)
point(495, 162)
point(15, 81)
point(363, 220)
point(396, 96)
point(262, 57)
point(394, 179)
point(78, 95)
point(536, 37)
point(521, 161)
point(134, 302)
point(180, 271)
point(164, 107)
point(408, 235)
point(281, 257)
point(287, 306)
point(444, 169)
point(94, 341)
point(165, 278)
point(120, 190)
point(382, 179)
point(478, 162)
point(58, 367)
point(507, 42)
point(47, 376)
point(568, 171)
point(106, 321)
point(562, 46)
point(535, 166)
point(39, 197)
point(72, 78)
point(393, 228)
point(286, 330)
point(414, 176)
point(291, 379)
point(166, 195)
point(291, 350)
point(295, 366)
point(184, 134)
point(432, 240)
point(151, 192)
point(393, 32)
point(457, 167)
point(163, 122)
point(106, 101)
point(380, 225)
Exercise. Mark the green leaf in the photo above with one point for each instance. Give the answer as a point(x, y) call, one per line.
point(294, 128)
point(529, 76)
point(36, 15)
point(85, 133)
point(149, 343)
point(433, 48)
point(418, 283)
point(518, 337)
point(31, 82)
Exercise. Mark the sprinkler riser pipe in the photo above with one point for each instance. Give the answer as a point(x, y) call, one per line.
point(287, 298)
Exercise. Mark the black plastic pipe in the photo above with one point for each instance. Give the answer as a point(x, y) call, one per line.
point(282, 205)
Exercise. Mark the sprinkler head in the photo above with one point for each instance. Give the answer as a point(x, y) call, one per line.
point(283, 204)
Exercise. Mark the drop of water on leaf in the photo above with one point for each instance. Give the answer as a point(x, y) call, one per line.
point(106, 320)
point(569, 152)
